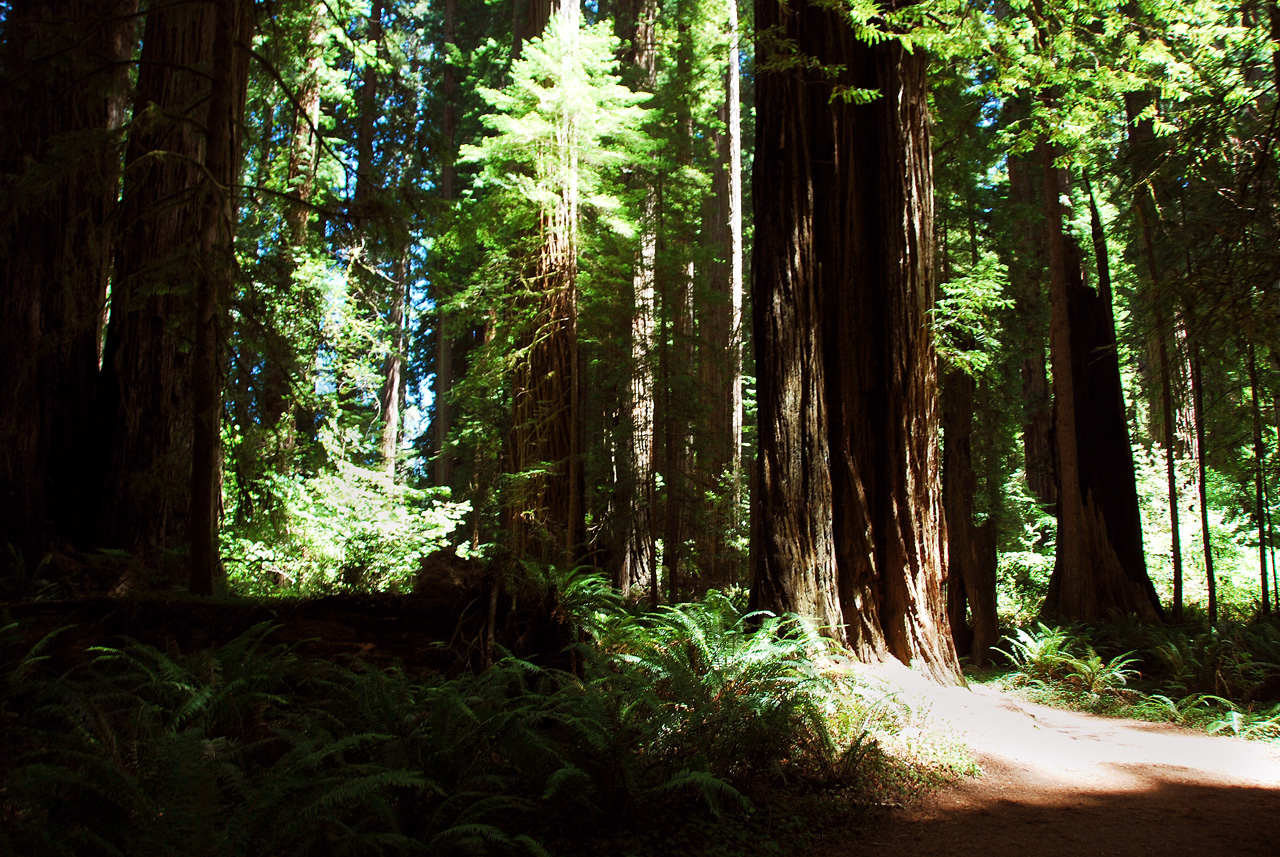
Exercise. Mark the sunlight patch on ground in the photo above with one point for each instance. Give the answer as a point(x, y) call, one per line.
point(1061, 754)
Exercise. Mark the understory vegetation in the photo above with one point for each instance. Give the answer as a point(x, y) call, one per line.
point(668, 723)
point(1223, 679)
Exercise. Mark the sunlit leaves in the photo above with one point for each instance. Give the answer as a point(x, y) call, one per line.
point(964, 318)
point(564, 126)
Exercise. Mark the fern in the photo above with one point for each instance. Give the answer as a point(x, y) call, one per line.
point(713, 791)
point(249, 749)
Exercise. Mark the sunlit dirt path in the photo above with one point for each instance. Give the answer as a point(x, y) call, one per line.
point(1062, 784)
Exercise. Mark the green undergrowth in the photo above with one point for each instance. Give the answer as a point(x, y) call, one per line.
point(1221, 679)
point(696, 727)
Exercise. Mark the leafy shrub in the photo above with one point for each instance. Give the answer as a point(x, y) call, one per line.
point(1053, 657)
point(345, 528)
point(1026, 553)
point(1039, 653)
point(1233, 538)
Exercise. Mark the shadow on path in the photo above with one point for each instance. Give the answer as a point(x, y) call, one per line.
point(1063, 784)
point(1172, 820)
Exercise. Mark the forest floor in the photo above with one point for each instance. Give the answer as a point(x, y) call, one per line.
point(1058, 783)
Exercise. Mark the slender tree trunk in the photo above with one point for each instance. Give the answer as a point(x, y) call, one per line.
point(679, 393)
point(65, 81)
point(390, 400)
point(1271, 541)
point(1171, 472)
point(1142, 143)
point(1197, 401)
point(638, 552)
point(736, 249)
point(304, 148)
point(545, 510)
point(1259, 465)
point(849, 517)
point(971, 549)
point(367, 184)
point(677, 428)
point(1099, 564)
point(443, 422)
point(368, 188)
point(720, 363)
point(1167, 408)
point(1027, 270)
point(228, 80)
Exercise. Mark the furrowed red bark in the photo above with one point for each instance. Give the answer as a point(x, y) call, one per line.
point(144, 403)
point(637, 553)
point(227, 81)
point(849, 518)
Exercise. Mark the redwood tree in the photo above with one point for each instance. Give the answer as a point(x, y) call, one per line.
point(173, 267)
point(544, 450)
point(849, 520)
point(637, 561)
point(1099, 565)
point(63, 82)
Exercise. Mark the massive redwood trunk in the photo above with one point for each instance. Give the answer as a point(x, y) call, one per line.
point(63, 96)
point(144, 403)
point(159, 398)
point(1031, 328)
point(849, 520)
point(1099, 565)
point(636, 22)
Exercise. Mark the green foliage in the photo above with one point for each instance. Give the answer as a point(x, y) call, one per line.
point(742, 690)
point(564, 129)
point(1026, 558)
point(963, 318)
point(1233, 660)
point(1051, 656)
point(1219, 679)
point(344, 528)
point(1231, 534)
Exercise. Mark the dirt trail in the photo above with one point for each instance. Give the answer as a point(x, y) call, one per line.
point(1061, 784)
